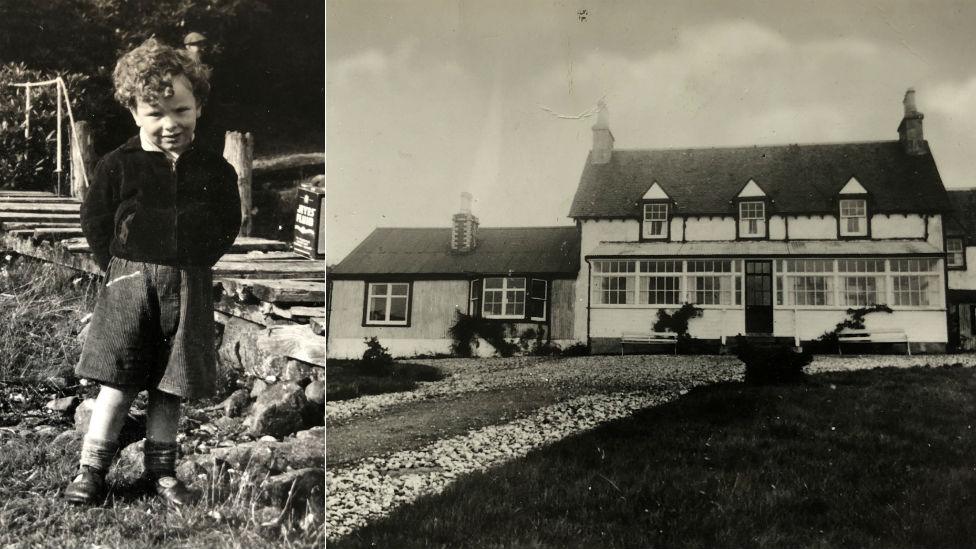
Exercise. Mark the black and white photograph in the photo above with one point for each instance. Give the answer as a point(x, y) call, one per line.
point(162, 273)
point(674, 274)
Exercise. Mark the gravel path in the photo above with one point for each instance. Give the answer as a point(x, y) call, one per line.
point(837, 363)
point(596, 390)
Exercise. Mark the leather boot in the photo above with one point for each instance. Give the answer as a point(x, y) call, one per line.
point(87, 488)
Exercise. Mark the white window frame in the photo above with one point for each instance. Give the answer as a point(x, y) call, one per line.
point(636, 275)
point(745, 219)
point(388, 299)
point(652, 215)
point(845, 218)
point(504, 296)
point(952, 253)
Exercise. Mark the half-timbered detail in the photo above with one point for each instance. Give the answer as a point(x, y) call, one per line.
point(815, 230)
point(960, 238)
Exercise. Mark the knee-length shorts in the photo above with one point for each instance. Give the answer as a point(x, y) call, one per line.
point(153, 327)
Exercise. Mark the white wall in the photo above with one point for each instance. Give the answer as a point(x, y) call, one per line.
point(777, 227)
point(935, 232)
point(710, 228)
point(965, 280)
point(818, 227)
point(593, 232)
point(897, 226)
point(611, 322)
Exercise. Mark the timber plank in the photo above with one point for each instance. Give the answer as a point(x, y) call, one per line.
point(266, 269)
point(55, 233)
point(243, 244)
point(39, 199)
point(279, 292)
point(39, 207)
point(51, 254)
point(38, 225)
point(36, 216)
point(11, 192)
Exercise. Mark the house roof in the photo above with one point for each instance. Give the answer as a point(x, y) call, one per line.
point(759, 248)
point(961, 220)
point(427, 251)
point(798, 178)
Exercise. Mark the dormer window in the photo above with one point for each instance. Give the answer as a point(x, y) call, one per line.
point(752, 204)
point(655, 214)
point(852, 214)
point(752, 219)
point(853, 217)
point(955, 253)
point(656, 220)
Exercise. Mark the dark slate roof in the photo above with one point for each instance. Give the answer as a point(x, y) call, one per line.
point(799, 178)
point(542, 250)
point(961, 220)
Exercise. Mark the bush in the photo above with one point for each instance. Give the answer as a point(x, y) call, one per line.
point(827, 343)
point(776, 364)
point(376, 359)
point(677, 322)
point(577, 349)
point(417, 372)
point(467, 327)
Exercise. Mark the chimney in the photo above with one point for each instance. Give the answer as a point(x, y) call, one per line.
point(464, 231)
point(910, 129)
point(602, 138)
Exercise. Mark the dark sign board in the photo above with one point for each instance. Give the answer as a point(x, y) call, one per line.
point(309, 239)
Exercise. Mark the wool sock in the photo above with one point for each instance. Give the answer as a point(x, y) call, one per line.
point(160, 459)
point(97, 454)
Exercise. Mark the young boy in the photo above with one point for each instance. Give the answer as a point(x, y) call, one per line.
point(158, 215)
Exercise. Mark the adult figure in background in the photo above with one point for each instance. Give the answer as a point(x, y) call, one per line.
point(196, 45)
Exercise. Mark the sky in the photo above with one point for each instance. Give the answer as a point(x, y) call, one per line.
point(426, 99)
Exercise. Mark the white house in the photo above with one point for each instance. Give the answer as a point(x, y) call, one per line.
point(774, 240)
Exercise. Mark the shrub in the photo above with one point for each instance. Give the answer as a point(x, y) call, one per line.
point(577, 349)
point(773, 364)
point(466, 328)
point(29, 161)
point(827, 342)
point(677, 322)
point(376, 359)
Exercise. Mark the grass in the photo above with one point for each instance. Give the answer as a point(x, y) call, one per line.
point(346, 379)
point(880, 458)
point(41, 308)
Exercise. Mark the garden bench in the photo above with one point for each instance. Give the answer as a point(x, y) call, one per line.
point(644, 338)
point(893, 335)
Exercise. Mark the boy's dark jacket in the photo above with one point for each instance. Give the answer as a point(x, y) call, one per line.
point(142, 207)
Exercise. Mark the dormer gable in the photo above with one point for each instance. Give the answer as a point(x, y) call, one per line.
point(751, 190)
point(655, 193)
point(853, 186)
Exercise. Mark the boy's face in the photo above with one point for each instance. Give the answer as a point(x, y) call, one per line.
point(169, 124)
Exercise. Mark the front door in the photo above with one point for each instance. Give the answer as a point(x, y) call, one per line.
point(759, 297)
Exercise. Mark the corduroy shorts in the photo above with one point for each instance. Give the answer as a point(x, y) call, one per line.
point(153, 328)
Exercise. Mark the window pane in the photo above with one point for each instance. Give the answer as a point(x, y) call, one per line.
point(398, 309)
point(379, 289)
point(377, 309)
point(515, 282)
point(493, 282)
point(399, 289)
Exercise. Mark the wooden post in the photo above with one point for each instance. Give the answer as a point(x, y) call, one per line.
point(82, 158)
point(239, 151)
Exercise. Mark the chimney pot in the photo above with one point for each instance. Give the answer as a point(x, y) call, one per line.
point(910, 130)
point(602, 137)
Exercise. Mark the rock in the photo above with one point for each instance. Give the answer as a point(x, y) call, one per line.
point(68, 442)
point(261, 458)
point(228, 425)
point(283, 368)
point(66, 404)
point(315, 392)
point(314, 435)
point(259, 387)
point(30, 422)
point(236, 403)
point(129, 466)
point(57, 382)
point(278, 411)
point(47, 431)
point(300, 484)
point(133, 429)
point(268, 438)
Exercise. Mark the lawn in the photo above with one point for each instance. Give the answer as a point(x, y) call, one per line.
point(879, 458)
point(347, 379)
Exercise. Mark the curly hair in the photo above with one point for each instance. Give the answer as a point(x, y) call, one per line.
point(146, 73)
